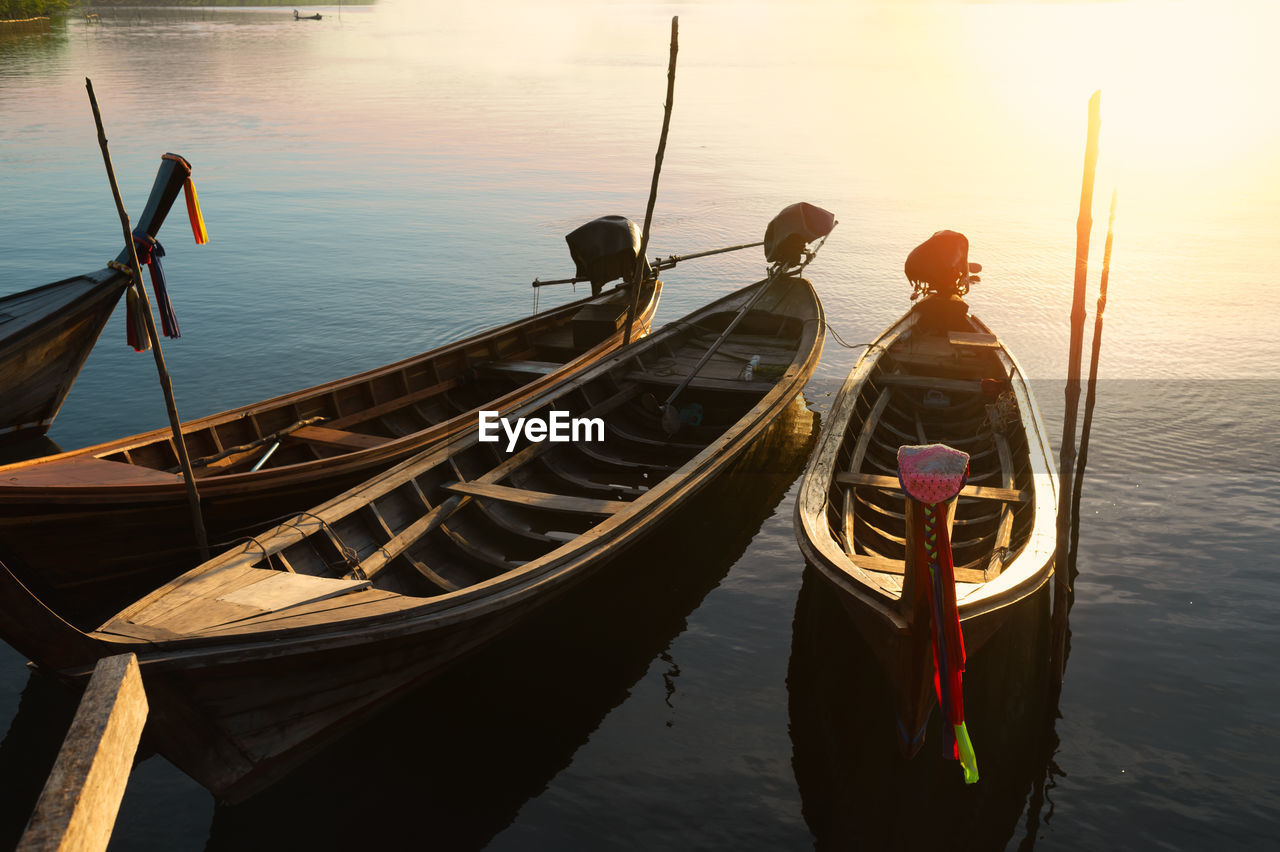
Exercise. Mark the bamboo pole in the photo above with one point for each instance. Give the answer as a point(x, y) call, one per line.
point(144, 305)
point(1066, 464)
point(1091, 395)
point(638, 278)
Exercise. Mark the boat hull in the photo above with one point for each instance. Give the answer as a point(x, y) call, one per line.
point(49, 333)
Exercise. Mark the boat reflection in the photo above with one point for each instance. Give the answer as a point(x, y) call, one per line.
point(857, 791)
point(452, 764)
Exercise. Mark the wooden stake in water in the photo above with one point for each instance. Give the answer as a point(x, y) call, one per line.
point(638, 278)
point(1066, 464)
point(1091, 394)
point(193, 496)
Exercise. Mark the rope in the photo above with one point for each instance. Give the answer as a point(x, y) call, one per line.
point(842, 342)
point(348, 554)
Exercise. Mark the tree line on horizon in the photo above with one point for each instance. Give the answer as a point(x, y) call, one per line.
point(18, 10)
point(21, 9)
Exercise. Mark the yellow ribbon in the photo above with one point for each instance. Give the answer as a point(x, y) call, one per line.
point(968, 759)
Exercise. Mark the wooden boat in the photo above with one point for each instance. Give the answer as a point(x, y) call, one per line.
point(100, 525)
point(307, 626)
point(297, 17)
point(937, 375)
point(596, 643)
point(46, 332)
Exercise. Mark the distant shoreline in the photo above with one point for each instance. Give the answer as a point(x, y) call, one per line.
point(230, 4)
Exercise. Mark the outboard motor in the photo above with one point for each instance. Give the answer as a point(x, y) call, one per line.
point(791, 231)
point(940, 265)
point(605, 249)
point(939, 270)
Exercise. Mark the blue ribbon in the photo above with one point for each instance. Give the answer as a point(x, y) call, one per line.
point(168, 319)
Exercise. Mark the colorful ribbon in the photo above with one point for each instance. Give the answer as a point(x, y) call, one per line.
point(932, 476)
point(149, 252)
point(948, 640)
point(194, 215)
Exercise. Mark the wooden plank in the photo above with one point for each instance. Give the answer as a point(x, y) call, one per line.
point(539, 499)
point(971, 338)
point(330, 437)
point(78, 807)
point(982, 492)
point(897, 566)
point(932, 382)
point(282, 590)
point(182, 592)
point(525, 369)
point(86, 471)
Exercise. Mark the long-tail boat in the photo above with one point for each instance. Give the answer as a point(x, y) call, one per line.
point(936, 376)
point(93, 528)
point(276, 643)
point(47, 332)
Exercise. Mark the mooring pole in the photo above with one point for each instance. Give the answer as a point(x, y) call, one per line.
point(1091, 393)
point(1066, 464)
point(144, 305)
point(638, 278)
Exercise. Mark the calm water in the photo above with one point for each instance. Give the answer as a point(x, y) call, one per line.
point(393, 176)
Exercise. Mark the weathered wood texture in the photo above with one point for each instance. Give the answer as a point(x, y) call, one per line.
point(77, 809)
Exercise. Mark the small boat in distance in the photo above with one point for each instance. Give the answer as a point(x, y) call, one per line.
point(298, 17)
point(936, 376)
point(47, 332)
point(258, 654)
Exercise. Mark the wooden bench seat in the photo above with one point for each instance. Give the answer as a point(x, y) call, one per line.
point(970, 338)
point(930, 382)
point(520, 369)
point(897, 566)
point(890, 483)
point(539, 499)
point(339, 438)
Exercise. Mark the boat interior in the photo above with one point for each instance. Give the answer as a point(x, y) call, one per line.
point(944, 381)
point(472, 511)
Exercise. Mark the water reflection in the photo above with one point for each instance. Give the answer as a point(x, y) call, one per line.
point(858, 792)
point(458, 758)
point(29, 749)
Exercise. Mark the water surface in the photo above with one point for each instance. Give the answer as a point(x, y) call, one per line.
point(393, 176)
